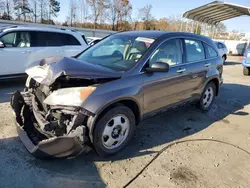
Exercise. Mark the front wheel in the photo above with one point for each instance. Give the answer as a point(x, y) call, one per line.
point(246, 71)
point(113, 130)
point(207, 97)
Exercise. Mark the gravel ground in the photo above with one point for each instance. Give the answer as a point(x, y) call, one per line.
point(213, 151)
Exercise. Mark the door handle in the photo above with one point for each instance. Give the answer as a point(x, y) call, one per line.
point(207, 64)
point(181, 70)
point(26, 52)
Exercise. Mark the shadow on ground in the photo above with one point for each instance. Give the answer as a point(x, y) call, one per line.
point(231, 63)
point(151, 133)
point(8, 87)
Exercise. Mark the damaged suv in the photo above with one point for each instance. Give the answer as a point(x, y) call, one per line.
point(97, 98)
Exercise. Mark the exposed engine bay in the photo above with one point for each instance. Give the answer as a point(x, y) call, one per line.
point(44, 123)
point(59, 120)
point(49, 114)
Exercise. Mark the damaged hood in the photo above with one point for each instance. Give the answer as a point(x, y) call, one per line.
point(49, 69)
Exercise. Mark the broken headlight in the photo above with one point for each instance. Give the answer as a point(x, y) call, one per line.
point(69, 96)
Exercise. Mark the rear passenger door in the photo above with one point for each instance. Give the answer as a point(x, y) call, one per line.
point(71, 46)
point(196, 66)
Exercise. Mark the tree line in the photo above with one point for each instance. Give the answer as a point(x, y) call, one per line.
point(37, 11)
point(116, 15)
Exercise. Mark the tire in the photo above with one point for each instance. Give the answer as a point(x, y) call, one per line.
point(106, 130)
point(209, 89)
point(246, 71)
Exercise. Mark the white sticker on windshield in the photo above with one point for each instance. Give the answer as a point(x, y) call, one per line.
point(147, 40)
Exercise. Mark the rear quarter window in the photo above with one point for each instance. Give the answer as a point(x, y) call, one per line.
point(210, 51)
point(69, 40)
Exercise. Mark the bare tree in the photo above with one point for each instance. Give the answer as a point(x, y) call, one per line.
point(124, 9)
point(146, 16)
point(54, 8)
point(97, 7)
point(72, 12)
point(7, 9)
point(43, 5)
point(113, 13)
point(84, 10)
point(34, 10)
point(22, 8)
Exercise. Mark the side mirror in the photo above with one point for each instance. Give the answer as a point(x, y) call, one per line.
point(2, 45)
point(158, 67)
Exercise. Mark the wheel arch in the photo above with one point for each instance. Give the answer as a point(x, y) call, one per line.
point(128, 102)
point(216, 82)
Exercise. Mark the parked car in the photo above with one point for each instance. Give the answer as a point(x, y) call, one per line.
point(246, 61)
point(222, 48)
point(98, 100)
point(22, 45)
point(93, 40)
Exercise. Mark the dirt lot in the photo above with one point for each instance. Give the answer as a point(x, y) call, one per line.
point(215, 151)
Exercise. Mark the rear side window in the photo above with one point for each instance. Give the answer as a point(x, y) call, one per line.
point(47, 39)
point(210, 52)
point(69, 40)
point(194, 50)
point(220, 45)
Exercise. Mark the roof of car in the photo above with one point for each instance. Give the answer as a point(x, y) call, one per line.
point(157, 34)
point(148, 34)
point(32, 28)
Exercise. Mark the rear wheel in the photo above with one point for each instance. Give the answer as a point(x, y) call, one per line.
point(207, 97)
point(246, 71)
point(113, 130)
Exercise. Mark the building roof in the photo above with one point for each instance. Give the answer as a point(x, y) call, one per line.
point(217, 11)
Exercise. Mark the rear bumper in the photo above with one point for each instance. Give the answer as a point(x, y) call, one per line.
point(37, 143)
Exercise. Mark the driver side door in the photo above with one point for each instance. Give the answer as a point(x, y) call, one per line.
point(163, 89)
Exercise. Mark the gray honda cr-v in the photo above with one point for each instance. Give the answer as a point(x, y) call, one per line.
point(97, 98)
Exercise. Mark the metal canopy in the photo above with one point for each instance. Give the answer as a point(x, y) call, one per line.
point(216, 12)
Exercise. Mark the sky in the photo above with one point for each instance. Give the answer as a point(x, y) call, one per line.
point(166, 8)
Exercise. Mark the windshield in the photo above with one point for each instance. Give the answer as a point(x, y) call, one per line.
point(117, 52)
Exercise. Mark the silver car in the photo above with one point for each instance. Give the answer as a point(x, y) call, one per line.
point(222, 48)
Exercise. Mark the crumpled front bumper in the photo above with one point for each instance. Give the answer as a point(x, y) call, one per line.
point(36, 143)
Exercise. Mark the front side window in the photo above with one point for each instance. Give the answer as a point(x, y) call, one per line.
point(194, 50)
point(169, 52)
point(17, 39)
point(117, 52)
point(210, 52)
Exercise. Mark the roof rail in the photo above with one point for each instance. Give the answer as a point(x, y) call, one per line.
point(8, 26)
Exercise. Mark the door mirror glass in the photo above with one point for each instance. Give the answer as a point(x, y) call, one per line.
point(2, 45)
point(158, 67)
